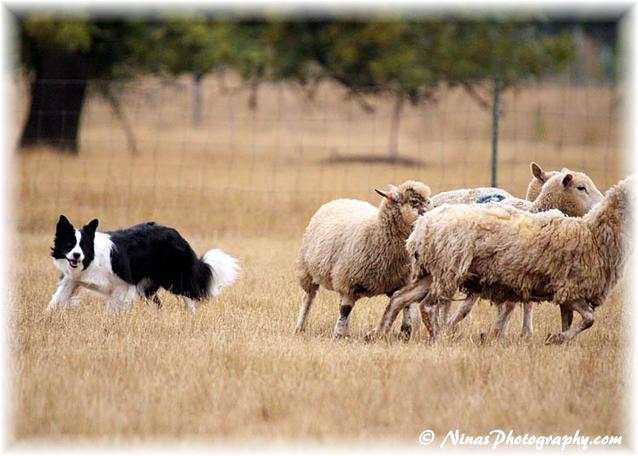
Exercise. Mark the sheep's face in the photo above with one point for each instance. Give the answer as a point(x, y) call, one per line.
point(572, 193)
point(539, 177)
point(414, 203)
point(411, 198)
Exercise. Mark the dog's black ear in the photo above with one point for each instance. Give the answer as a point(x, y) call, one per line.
point(63, 224)
point(91, 226)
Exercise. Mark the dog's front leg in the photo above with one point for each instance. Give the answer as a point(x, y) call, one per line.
point(64, 294)
point(121, 297)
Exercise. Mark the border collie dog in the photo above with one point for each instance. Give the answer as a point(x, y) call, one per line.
point(135, 261)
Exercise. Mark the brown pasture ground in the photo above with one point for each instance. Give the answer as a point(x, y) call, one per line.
point(247, 182)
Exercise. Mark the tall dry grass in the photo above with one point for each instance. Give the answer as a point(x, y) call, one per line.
point(247, 182)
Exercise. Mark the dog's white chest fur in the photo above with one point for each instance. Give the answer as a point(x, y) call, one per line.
point(97, 277)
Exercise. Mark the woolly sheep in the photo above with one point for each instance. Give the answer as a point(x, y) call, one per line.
point(488, 194)
point(574, 195)
point(358, 250)
point(578, 196)
point(504, 254)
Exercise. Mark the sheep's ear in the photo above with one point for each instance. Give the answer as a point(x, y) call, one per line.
point(567, 179)
point(537, 171)
point(390, 196)
point(381, 192)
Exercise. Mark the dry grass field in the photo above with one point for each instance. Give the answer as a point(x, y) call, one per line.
point(248, 185)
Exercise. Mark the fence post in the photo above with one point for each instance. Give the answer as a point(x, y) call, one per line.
point(495, 118)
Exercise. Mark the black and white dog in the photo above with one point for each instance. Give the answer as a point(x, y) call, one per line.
point(135, 261)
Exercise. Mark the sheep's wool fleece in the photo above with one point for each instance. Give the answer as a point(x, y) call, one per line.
point(474, 195)
point(356, 249)
point(507, 254)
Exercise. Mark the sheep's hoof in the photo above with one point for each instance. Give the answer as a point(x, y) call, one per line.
point(343, 337)
point(554, 339)
point(526, 335)
point(405, 334)
point(454, 336)
point(431, 340)
point(372, 336)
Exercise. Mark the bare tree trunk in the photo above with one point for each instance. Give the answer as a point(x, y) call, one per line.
point(393, 146)
point(578, 35)
point(57, 98)
point(252, 98)
point(119, 113)
point(197, 99)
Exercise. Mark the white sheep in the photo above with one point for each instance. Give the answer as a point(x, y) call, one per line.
point(358, 250)
point(504, 254)
point(574, 195)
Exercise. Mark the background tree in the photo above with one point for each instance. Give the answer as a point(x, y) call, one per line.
point(508, 53)
point(395, 57)
point(60, 57)
point(199, 45)
point(495, 55)
point(190, 45)
point(406, 59)
point(410, 60)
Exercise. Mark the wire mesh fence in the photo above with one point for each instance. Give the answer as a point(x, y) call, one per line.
point(223, 156)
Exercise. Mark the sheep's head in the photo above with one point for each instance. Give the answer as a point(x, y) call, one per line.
point(570, 192)
point(411, 199)
point(539, 177)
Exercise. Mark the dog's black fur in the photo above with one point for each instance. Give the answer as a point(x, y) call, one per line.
point(163, 257)
point(148, 255)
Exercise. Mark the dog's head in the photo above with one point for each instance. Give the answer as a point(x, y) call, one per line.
point(73, 247)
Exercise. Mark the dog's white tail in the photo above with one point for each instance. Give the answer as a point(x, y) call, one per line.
point(224, 268)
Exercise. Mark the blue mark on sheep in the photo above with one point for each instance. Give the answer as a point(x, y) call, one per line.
point(492, 198)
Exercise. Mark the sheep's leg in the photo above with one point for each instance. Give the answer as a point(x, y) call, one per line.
point(406, 324)
point(412, 292)
point(443, 311)
point(429, 314)
point(345, 308)
point(527, 320)
point(462, 311)
point(304, 310)
point(566, 317)
point(587, 320)
point(504, 311)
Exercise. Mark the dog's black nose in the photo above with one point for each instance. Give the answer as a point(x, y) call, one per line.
point(76, 255)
